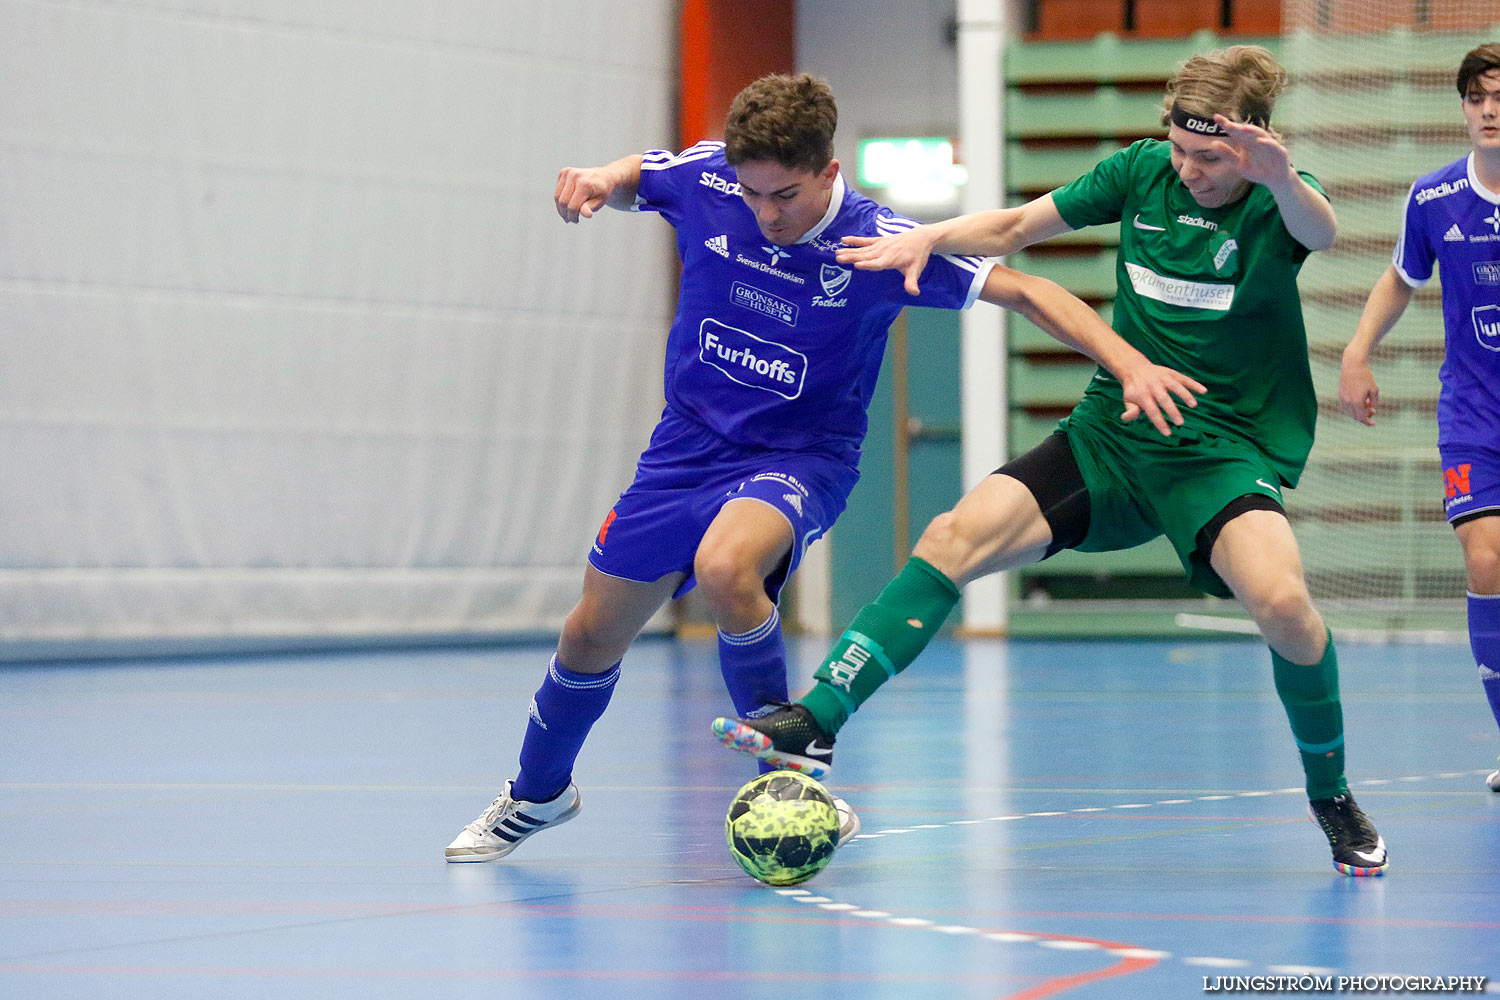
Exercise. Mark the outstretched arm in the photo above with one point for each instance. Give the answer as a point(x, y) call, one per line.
point(1148, 388)
point(582, 191)
point(1358, 393)
point(988, 234)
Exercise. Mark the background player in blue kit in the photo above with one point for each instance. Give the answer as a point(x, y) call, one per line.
point(1452, 219)
point(770, 365)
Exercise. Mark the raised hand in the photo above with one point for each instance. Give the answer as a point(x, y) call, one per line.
point(1261, 158)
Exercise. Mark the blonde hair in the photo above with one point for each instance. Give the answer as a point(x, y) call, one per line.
point(1240, 82)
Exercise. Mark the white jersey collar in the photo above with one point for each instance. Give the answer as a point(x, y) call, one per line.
point(835, 203)
point(1490, 196)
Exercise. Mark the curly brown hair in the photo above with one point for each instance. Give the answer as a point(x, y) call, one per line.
point(1240, 82)
point(788, 119)
point(1477, 63)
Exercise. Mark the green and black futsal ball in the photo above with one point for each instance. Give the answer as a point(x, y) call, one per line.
point(782, 828)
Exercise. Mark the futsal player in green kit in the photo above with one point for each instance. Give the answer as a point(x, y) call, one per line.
point(1214, 226)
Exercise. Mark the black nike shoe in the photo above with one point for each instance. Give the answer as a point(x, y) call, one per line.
point(1357, 848)
point(787, 737)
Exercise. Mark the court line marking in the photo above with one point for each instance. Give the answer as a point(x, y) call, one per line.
point(1056, 942)
point(1251, 794)
point(1130, 958)
point(1067, 942)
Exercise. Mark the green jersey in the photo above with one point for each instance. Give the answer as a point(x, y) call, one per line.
point(1211, 292)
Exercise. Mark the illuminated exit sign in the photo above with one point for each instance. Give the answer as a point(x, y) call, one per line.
point(913, 168)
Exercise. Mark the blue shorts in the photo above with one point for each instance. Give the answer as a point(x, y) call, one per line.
point(684, 477)
point(1471, 480)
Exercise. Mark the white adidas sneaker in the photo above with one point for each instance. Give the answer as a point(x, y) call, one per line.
point(508, 821)
point(848, 821)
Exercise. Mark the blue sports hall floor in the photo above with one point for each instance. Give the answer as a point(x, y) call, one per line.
point(1041, 818)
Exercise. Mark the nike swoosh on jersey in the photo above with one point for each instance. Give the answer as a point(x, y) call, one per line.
point(1268, 486)
point(1147, 226)
point(813, 750)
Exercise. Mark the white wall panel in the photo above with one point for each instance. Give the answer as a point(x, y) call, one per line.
point(292, 342)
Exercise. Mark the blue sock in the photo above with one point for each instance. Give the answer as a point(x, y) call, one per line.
point(1484, 639)
point(563, 710)
point(754, 668)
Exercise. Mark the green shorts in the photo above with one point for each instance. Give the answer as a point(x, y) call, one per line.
point(1142, 485)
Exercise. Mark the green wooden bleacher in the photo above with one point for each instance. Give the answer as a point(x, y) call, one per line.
point(1041, 169)
point(1426, 52)
point(1105, 111)
point(1108, 58)
point(1089, 274)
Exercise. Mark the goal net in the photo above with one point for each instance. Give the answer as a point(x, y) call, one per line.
point(1372, 107)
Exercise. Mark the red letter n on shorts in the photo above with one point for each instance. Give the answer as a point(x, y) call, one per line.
point(1456, 480)
point(610, 517)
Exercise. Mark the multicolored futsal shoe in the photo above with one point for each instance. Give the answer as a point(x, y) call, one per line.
point(788, 737)
point(1357, 848)
point(508, 821)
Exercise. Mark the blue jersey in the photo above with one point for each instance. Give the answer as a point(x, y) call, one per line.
point(1453, 220)
point(780, 346)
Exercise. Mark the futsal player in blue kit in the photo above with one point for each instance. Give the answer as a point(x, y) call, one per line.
point(771, 363)
point(1452, 218)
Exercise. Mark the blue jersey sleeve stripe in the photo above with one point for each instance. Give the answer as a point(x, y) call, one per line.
point(705, 146)
point(966, 262)
point(660, 159)
point(675, 161)
point(890, 226)
point(1413, 282)
point(1398, 255)
point(981, 275)
point(1400, 249)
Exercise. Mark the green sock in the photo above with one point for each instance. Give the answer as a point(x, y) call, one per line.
point(881, 641)
point(1310, 695)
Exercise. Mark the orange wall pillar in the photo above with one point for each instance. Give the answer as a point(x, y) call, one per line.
point(725, 45)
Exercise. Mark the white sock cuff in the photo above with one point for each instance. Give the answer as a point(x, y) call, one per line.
point(758, 633)
point(581, 682)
